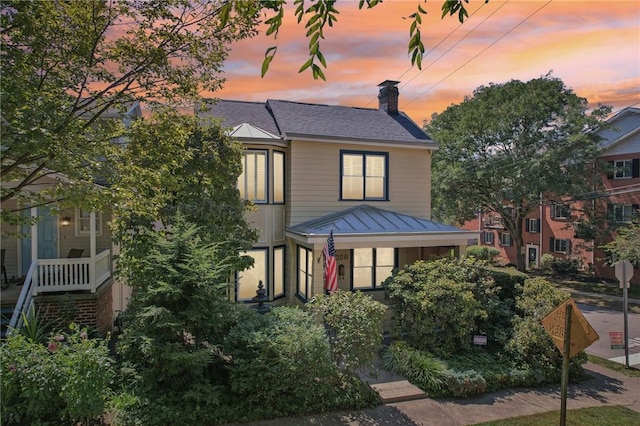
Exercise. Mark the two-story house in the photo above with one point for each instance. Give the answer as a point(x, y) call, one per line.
point(310, 169)
point(554, 227)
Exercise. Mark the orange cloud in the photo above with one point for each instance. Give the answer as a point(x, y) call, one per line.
point(593, 46)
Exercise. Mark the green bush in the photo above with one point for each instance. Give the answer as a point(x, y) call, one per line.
point(423, 370)
point(530, 346)
point(280, 365)
point(353, 322)
point(66, 380)
point(546, 262)
point(559, 265)
point(482, 252)
point(466, 383)
point(438, 306)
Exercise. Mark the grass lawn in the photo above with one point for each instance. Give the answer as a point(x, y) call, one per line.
point(593, 285)
point(592, 416)
point(615, 366)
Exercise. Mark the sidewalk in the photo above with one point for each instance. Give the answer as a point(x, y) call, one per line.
point(605, 387)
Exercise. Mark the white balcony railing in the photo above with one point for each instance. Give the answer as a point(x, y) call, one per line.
point(53, 275)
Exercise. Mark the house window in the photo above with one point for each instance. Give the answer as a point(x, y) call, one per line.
point(364, 175)
point(623, 169)
point(305, 272)
point(249, 278)
point(560, 245)
point(487, 237)
point(278, 177)
point(505, 239)
point(83, 222)
point(371, 266)
point(252, 182)
point(533, 225)
point(622, 213)
point(559, 211)
point(278, 271)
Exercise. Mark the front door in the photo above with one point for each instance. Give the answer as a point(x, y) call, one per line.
point(532, 256)
point(47, 238)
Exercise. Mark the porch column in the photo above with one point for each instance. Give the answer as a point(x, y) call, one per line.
point(92, 248)
point(34, 248)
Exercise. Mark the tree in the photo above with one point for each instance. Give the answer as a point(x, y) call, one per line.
point(509, 143)
point(626, 245)
point(68, 65)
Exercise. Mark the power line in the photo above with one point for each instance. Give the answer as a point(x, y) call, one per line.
point(435, 47)
point(479, 53)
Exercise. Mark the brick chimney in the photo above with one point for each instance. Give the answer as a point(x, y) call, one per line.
point(388, 96)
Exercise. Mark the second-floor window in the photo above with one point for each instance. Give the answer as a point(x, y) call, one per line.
point(624, 169)
point(559, 211)
point(252, 183)
point(278, 177)
point(622, 213)
point(533, 225)
point(364, 175)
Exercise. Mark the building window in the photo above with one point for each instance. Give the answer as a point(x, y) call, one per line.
point(249, 278)
point(623, 169)
point(305, 272)
point(371, 266)
point(533, 225)
point(278, 177)
point(487, 237)
point(278, 272)
point(560, 245)
point(83, 222)
point(559, 211)
point(252, 182)
point(622, 213)
point(505, 239)
point(364, 175)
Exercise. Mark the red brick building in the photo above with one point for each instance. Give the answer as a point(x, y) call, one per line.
point(552, 227)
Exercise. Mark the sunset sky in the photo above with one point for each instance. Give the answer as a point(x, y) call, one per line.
point(593, 46)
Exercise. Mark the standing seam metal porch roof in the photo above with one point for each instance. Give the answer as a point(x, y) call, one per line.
point(366, 219)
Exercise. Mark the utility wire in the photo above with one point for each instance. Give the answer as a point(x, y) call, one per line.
point(479, 53)
point(434, 48)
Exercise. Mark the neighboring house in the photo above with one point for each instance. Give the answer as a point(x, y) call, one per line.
point(310, 169)
point(67, 270)
point(553, 227)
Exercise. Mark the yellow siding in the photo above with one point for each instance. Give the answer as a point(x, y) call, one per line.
point(314, 184)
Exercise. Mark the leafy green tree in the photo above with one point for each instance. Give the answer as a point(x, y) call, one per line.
point(503, 147)
point(626, 244)
point(175, 323)
point(68, 66)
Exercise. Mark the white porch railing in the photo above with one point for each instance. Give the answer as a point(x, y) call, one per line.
point(54, 275)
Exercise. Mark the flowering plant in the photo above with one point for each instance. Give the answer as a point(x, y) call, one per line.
point(66, 379)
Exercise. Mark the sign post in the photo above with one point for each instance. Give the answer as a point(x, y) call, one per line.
point(571, 333)
point(624, 272)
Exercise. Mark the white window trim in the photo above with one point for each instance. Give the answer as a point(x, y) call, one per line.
point(78, 217)
point(503, 236)
point(624, 168)
point(623, 217)
point(534, 229)
point(489, 238)
point(560, 241)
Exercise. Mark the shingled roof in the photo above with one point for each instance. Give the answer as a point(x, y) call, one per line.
point(291, 120)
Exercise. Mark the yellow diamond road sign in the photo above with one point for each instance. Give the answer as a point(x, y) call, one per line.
point(582, 334)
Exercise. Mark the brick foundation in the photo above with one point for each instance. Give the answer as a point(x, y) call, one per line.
point(94, 311)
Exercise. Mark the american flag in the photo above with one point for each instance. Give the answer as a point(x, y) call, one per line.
point(330, 269)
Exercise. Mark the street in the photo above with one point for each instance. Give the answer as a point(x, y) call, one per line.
point(605, 320)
